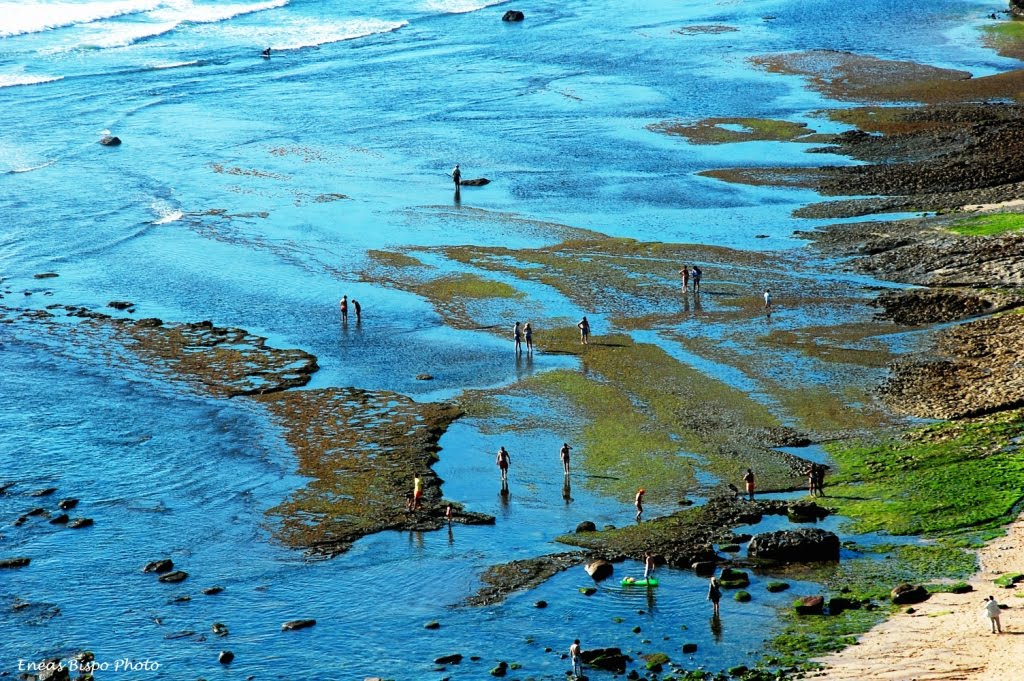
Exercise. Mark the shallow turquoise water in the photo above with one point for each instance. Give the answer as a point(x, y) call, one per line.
point(375, 102)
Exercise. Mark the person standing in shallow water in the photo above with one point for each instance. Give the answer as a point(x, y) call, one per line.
point(748, 483)
point(343, 305)
point(698, 274)
point(584, 327)
point(714, 595)
point(563, 453)
point(685, 274)
point(359, 310)
point(576, 655)
point(528, 333)
point(456, 175)
point(648, 565)
point(517, 334)
point(503, 460)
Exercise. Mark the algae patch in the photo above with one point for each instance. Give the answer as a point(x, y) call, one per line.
point(730, 130)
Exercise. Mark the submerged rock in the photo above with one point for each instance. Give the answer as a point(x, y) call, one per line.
point(79, 523)
point(110, 141)
point(454, 658)
point(513, 15)
point(295, 625)
point(174, 577)
point(14, 562)
point(608, 659)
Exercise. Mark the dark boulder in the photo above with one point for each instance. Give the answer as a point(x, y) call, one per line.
point(212, 590)
point(120, 304)
point(734, 579)
point(809, 605)
point(67, 504)
point(586, 526)
point(1017, 8)
point(159, 566)
point(513, 15)
point(805, 512)
point(295, 625)
point(53, 669)
point(174, 577)
point(79, 523)
point(448, 659)
point(110, 141)
point(905, 594)
point(608, 659)
point(14, 562)
point(219, 628)
point(689, 648)
point(226, 657)
point(838, 604)
point(475, 182)
point(599, 569)
point(704, 568)
point(60, 519)
point(808, 544)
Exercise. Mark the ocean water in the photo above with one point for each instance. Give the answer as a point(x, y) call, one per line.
point(375, 101)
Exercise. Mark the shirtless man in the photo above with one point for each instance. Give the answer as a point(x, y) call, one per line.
point(576, 655)
point(344, 308)
point(503, 460)
point(685, 274)
point(359, 310)
point(564, 454)
point(639, 503)
point(748, 483)
point(517, 334)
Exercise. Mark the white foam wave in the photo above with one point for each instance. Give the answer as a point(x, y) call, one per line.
point(189, 12)
point(33, 17)
point(174, 65)
point(459, 6)
point(299, 33)
point(121, 34)
point(165, 212)
point(172, 216)
point(12, 79)
point(29, 169)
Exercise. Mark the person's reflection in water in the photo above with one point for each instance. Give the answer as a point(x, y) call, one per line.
point(686, 303)
point(416, 540)
point(504, 495)
point(697, 307)
point(716, 628)
point(458, 195)
point(650, 601)
point(451, 536)
point(567, 489)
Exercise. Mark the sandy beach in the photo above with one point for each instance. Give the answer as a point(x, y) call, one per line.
point(947, 637)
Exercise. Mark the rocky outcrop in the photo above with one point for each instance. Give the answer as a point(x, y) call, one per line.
point(110, 140)
point(586, 526)
point(513, 15)
point(174, 577)
point(1017, 8)
point(795, 546)
point(475, 182)
point(974, 370)
point(519, 575)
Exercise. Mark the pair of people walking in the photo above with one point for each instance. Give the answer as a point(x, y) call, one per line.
point(521, 332)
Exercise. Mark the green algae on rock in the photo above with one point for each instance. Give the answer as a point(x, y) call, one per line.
point(502, 580)
point(724, 130)
point(955, 477)
point(362, 449)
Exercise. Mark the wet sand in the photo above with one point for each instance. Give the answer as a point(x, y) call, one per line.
point(947, 637)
